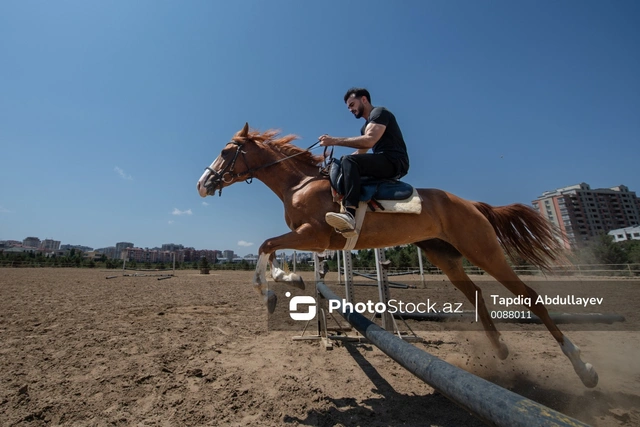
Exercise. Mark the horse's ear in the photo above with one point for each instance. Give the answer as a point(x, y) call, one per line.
point(245, 131)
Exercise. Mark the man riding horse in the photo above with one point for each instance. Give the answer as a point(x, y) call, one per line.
point(388, 160)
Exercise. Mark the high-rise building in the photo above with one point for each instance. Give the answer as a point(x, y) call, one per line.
point(31, 242)
point(50, 244)
point(583, 213)
point(229, 255)
point(110, 252)
point(172, 247)
point(121, 246)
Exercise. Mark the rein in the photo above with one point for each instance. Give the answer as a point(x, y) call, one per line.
point(219, 177)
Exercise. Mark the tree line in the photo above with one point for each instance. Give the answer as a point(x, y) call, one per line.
point(602, 250)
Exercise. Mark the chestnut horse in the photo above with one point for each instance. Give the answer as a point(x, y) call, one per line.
point(447, 229)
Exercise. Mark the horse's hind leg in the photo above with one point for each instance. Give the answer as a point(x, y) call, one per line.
point(487, 254)
point(449, 260)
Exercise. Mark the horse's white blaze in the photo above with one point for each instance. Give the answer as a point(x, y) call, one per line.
point(205, 176)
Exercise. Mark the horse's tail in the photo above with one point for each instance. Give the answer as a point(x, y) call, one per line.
point(524, 233)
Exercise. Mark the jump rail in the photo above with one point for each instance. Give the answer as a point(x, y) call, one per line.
point(558, 318)
point(491, 403)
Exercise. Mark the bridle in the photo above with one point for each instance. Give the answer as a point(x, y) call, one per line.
point(227, 175)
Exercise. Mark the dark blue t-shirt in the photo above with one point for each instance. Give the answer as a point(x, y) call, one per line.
point(391, 143)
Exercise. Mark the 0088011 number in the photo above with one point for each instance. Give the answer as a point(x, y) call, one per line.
point(511, 314)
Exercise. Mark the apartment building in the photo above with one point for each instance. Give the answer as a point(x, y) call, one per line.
point(147, 255)
point(120, 247)
point(50, 244)
point(31, 242)
point(583, 213)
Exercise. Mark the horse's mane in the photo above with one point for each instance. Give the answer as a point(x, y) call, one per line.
point(283, 145)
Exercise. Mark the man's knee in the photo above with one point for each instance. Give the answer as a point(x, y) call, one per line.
point(349, 163)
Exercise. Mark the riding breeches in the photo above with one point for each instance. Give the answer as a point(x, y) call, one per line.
point(355, 166)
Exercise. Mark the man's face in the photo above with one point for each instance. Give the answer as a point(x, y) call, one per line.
point(355, 106)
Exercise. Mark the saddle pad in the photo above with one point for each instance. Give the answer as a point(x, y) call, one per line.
point(412, 204)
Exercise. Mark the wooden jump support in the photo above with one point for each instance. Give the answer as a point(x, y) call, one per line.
point(491, 403)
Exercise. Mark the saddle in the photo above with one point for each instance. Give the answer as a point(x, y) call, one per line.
point(382, 195)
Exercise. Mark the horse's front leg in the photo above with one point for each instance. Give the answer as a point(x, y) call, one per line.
point(260, 282)
point(304, 238)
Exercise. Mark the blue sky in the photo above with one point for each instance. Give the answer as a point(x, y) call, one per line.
point(109, 111)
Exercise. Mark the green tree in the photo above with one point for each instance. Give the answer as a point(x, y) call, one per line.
point(607, 251)
point(632, 248)
point(204, 262)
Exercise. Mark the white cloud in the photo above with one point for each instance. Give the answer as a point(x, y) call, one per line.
point(170, 221)
point(178, 212)
point(4, 210)
point(245, 244)
point(205, 204)
point(122, 174)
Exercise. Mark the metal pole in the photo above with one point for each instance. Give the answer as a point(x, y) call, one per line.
point(491, 403)
point(383, 289)
point(348, 277)
point(421, 267)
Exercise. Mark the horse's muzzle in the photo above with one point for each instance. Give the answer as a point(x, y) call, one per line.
point(202, 190)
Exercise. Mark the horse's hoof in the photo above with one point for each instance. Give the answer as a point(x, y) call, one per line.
point(272, 300)
point(503, 352)
point(589, 376)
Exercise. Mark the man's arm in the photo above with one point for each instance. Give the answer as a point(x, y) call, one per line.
point(372, 134)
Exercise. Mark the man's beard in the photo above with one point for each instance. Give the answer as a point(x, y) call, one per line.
point(358, 113)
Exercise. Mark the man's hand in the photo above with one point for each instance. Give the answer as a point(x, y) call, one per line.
point(328, 141)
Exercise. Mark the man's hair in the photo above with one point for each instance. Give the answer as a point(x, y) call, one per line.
point(358, 92)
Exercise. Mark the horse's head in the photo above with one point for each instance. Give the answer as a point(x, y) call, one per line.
point(230, 166)
point(249, 153)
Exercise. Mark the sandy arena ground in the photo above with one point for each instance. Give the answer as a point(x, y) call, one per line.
point(79, 350)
